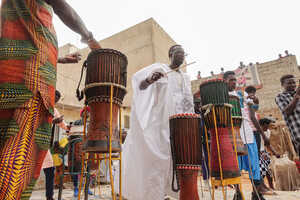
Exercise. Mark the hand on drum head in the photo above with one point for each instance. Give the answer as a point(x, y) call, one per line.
point(72, 58)
point(93, 44)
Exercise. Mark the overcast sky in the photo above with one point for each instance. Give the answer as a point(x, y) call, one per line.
point(215, 33)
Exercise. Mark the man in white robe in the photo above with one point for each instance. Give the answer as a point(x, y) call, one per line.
point(147, 161)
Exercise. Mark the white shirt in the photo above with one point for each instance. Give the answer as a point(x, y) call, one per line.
point(246, 130)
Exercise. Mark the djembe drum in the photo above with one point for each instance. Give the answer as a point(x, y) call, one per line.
point(186, 147)
point(105, 68)
point(75, 155)
point(217, 117)
point(237, 119)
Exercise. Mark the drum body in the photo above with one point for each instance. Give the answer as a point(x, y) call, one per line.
point(75, 155)
point(222, 115)
point(105, 68)
point(185, 141)
point(228, 157)
point(237, 119)
point(215, 92)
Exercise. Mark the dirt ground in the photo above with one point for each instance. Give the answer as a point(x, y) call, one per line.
point(204, 193)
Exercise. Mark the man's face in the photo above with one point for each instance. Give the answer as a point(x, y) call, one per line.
point(57, 98)
point(289, 84)
point(177, 57)
point(231, 81)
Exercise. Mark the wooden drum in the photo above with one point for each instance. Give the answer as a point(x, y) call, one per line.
point(185, 141)
point(105, 68)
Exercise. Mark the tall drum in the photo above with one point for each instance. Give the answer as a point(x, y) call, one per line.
point(186, 147)
point(186, 142)
point(105, 68)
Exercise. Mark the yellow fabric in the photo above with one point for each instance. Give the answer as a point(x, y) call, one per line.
point(63, 142)
point(57, 161)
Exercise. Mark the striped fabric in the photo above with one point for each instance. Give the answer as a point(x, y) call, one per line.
point(28, 56)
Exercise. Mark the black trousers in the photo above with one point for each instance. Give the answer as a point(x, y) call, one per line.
point(49, 173)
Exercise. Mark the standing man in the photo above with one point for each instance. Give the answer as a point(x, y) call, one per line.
point(28, 57)
point(248, 162)
point(147, 156)
point(289, 104)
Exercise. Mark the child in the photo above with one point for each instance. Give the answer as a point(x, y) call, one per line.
point(265, 159)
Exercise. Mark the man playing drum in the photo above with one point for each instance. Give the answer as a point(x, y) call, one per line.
point(157, 95)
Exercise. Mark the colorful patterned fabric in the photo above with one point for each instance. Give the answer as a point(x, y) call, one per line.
point(28, 56)
point(28, 53)
point(21, 157)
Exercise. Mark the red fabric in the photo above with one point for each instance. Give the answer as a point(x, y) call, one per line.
point(82, 110)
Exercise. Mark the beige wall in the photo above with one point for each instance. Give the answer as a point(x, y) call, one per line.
point(143, 44)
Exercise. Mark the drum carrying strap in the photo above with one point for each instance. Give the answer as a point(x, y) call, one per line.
point(174, 166)
point(79, 94)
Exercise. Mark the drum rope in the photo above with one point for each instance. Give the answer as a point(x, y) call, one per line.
point(79, 94)
point(91, 85)
point(203, 154)
point(174, 166)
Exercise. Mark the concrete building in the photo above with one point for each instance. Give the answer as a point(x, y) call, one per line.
point(143, 44)
point(269, 86)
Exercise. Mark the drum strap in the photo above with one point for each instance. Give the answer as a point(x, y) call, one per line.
point(174, 166)
point(79, 94)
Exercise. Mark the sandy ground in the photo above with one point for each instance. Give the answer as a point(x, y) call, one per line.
point(204, 193)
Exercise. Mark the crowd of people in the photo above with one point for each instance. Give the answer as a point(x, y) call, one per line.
point(28, 58)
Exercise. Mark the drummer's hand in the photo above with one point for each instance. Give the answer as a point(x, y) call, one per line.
point(72, 58)
point(93, 44)
point(154, 77)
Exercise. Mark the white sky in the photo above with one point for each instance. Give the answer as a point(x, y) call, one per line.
point(215, 33)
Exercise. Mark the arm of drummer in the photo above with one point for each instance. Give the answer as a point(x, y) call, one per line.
point(257, 126)
point(71, 58)
point(71, 19)
point(151, 79)
point(60, 122)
